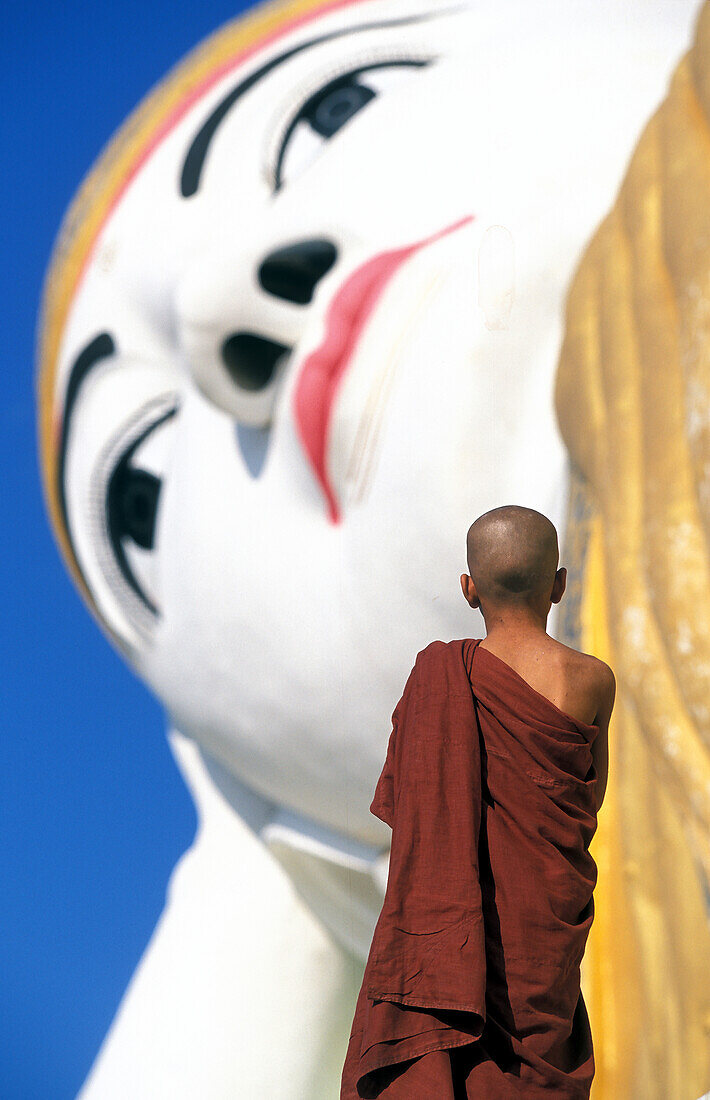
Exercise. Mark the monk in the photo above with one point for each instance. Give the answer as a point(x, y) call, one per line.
point(496, 768)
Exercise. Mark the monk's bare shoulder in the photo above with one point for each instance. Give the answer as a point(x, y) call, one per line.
point(606, 681)
point(603, 687)
point(598, 671)
point(586, 662)
point(602, 671)
point(600, 682)
point(594, 675)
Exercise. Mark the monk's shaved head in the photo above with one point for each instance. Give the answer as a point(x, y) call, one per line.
point(512, 555)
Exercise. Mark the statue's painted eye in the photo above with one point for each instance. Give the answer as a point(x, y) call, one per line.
point(133, 504)
point(131, 509)
point(116, 490)
point(326, 111)
point(132, 501)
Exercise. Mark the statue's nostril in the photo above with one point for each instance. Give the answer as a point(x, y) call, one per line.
point(251, 359)
point(293, 272)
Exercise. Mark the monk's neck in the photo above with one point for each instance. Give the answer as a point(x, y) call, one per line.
point(515, 629)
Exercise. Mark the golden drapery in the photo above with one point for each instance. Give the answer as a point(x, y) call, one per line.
point(632, 399)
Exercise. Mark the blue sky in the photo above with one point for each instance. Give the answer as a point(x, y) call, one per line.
point(93, 812)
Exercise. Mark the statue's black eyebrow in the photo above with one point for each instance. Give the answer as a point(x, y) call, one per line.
point(195, 158)
point(101, 347)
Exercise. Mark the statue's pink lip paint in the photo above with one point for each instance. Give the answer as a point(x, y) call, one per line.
point(324, 368)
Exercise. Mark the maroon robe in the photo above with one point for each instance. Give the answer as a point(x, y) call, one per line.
point(472, 984)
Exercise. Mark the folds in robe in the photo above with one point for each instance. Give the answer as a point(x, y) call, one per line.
point(489, 791)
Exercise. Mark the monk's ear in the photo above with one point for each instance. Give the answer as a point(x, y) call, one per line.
point(559, 585)
point(469, 590)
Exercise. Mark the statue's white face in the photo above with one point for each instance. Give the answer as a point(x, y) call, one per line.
point(316, 338)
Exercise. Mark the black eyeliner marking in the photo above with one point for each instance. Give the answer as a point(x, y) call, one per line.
point(101, 347)
point(278, 183)
point(196, 154)
point(113, 519)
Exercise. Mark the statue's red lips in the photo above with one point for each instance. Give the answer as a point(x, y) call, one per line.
point(326, 365)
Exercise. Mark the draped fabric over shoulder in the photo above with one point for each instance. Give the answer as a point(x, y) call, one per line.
point(472, 984)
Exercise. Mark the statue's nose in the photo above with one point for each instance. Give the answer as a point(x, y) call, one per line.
point(240, 317)
point(294, 271)
point(290, 273)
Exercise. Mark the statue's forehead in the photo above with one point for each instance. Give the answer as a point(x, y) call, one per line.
point(212, 60)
